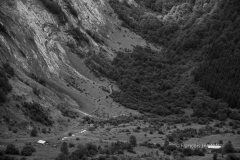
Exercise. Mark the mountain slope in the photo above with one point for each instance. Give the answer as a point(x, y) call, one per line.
point(45, 43)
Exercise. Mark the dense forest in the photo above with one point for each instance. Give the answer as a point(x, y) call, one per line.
point(145, 80)
point(216, 40)
point(155, 82)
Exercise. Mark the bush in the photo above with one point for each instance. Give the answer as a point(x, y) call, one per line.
point(71, 145)
point(8, 69)
point(33, 133)
point(95, 37)
point(133, 140)
point(5, 86)
point(44, 130)
point(198, 152)
point(11, 149)
point(36, 91)
point(215, 156)
point(187, 151)
point(3, 96)
point(28, 150)
point(220, 141)
point(167, 152)
point(101, 157)
point(2, 153)
point(7, 158)
point(62, 156)
point(232, 157)
point(15, 130)
point(64, 148)
point(39, 80)
point(78, 35)
point(91, 149)
point(37, 113)
point(67, 112)
point(229, 148)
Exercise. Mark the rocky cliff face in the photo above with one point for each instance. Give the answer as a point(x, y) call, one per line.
point(38, 37)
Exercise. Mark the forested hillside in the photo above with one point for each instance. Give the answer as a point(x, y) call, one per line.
point(194, 34)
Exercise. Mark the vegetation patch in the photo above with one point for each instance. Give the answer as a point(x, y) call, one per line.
point(71, 8)
point(55, 9)
point(73, 48)
point(95, 37)
point(5, 86)
point(68, 112)
point(3, 29)
point(38, 79)
point(37, 113)
point(78, 35)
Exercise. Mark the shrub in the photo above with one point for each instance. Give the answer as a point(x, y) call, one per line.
point(15, 130)
point(80, 152)
point(37, 113)
point(67, 112)
point(33, 133)
point(3, 96)
point(187, 151)
point(198, 152)
point(78, 35)
point(1, 153)
point(62, 156)
point(11, 149)
point(215, 156)
point(101, 157)
point(64, 148)
point(167, 152)
point(28, 150)
point(220, 141)
point(70, 134)
point(36, 91)
point(7, 158)
point(44, 130)
point(95, 37)
point(229, 148)
point(3, 29)
point(5, 86)
point(39, 80)
point(232, 157)
point(71, 145)
point(91, 149)
point(8, 69)
point(217, 131)
point(133, 140)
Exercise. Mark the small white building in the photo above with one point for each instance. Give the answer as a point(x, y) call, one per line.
point(42, 142)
